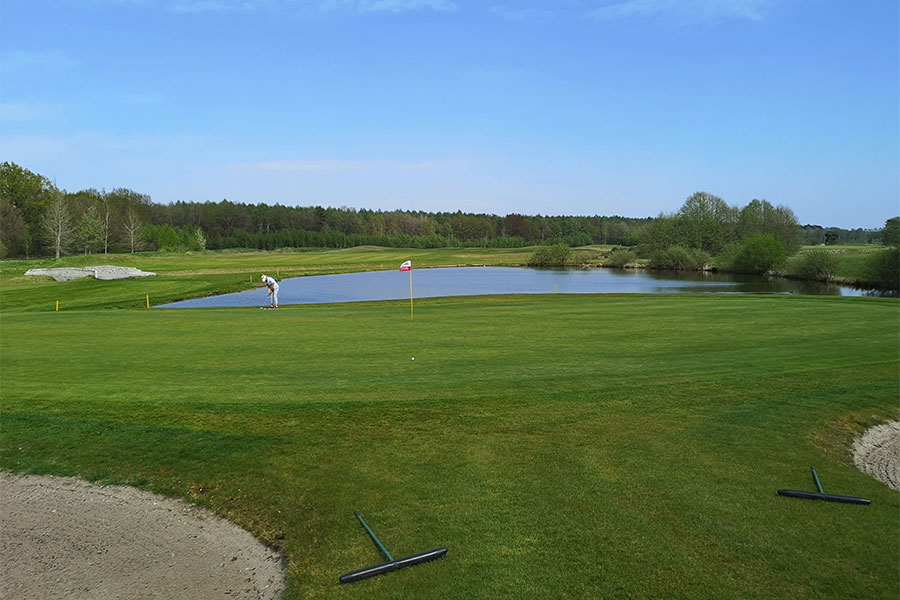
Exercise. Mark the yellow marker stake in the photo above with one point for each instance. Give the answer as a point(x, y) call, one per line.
point(554, 288)
point(57, 306)
point(148, 300)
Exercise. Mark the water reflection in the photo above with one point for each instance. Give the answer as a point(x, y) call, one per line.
point(473, 281)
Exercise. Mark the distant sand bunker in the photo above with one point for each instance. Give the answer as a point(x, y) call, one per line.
point(66, 538)
point(877, 452)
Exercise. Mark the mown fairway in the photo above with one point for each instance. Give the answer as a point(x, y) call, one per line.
point(560, 446)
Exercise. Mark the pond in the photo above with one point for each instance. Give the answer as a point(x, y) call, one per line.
point(476, 281)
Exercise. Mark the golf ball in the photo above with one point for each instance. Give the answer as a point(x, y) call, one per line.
point(414, 358)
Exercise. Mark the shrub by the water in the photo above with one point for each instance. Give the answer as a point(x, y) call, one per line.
point(759, 254)
point(621, 257)
point(818, 264)
point(680, 259)
point(883, 268)
point(556, 255)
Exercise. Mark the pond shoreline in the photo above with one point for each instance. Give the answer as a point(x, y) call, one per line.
point(430, 282)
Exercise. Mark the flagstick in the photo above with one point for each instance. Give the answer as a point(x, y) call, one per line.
point(410, 296)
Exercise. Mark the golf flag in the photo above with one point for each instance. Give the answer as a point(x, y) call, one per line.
point(407, 266)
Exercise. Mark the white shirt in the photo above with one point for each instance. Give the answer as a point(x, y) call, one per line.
point(270, 281)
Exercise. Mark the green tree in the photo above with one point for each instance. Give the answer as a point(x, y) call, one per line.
point(890, 235)
point(703, 220)
point(752, 218)
point(13, 230)
point(759, 216)
point(376, 224)
point(759, 254)
point(25, 196)
point(784, 227)
point(167, 238)
point(89, 232)
point(662, 233)
point(518, 225)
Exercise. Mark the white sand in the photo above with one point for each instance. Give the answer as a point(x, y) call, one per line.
point(66, 538)
point(877, 452)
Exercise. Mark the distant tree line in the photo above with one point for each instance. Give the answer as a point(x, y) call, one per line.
point(38, 219)
point(232, 225)
point(816, 235)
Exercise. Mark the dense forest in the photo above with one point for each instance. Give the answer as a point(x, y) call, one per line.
point(40, 220)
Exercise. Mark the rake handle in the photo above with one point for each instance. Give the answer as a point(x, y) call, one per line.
point(372, 535)
point(816, 479)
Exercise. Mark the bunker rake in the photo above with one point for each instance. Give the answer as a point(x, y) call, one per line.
point(821, 495)
point(392, 564)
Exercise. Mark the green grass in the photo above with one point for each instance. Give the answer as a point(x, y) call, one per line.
point(561, 446)
point(291, 261)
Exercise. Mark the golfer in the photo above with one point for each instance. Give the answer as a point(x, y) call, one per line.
point(273, 290)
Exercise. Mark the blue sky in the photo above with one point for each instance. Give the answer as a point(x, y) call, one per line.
point(577, 107)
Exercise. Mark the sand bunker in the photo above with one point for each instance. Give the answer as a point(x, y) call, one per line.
point(102, 272)
point(66, 538)
point(877, 452)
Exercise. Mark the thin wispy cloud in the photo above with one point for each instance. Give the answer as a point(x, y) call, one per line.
point(204, 6)
point(399, 6)
point(15, 60)
point(142, 99)
point(343, 166)
point(20, 111)
point(359, 7)
point(187, 6)
point(34, 147)
point(522, 14)
point(685, 11)
point(302, 166)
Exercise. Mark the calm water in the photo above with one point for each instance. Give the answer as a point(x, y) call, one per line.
point(475, 281)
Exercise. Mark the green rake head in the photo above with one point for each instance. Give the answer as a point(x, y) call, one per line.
point(821, 495)
point(392, 564)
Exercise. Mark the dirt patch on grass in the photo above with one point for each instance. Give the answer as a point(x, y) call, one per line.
point(66, 538)
point(877, 452)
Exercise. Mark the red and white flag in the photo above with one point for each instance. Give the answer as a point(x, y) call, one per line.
point(407, 266)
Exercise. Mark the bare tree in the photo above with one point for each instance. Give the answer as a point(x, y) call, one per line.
point(132, 225)
point(105, 209)
point(57, 223)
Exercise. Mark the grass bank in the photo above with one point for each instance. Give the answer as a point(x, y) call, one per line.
point(560, 446)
